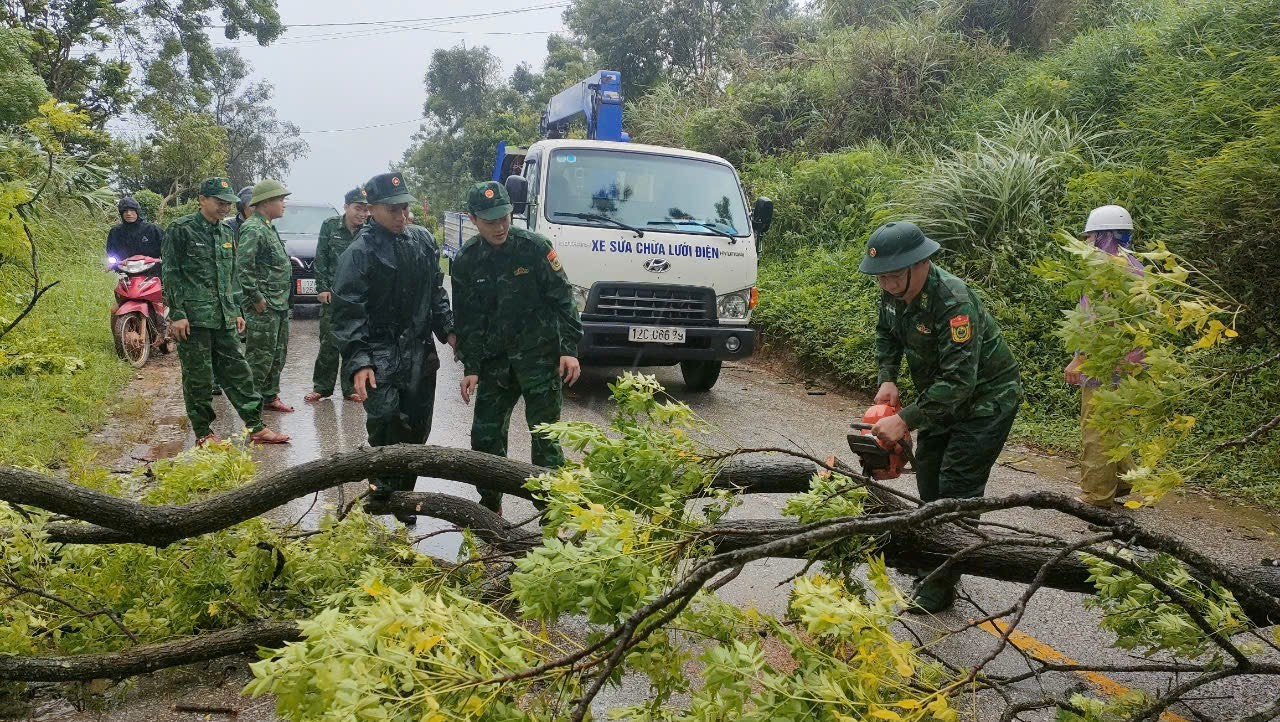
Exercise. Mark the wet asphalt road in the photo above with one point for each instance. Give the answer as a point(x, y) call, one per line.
point(753, 406)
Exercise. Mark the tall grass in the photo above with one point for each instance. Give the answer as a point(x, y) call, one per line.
point(48, 415)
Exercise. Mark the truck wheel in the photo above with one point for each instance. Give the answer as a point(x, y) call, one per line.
point(700, 375)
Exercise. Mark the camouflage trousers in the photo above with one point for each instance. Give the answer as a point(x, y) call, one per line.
point(399, 414)
point(329, 361)
point(266, 346)
point(210, 352)
point(502, 382)
point(955, 463)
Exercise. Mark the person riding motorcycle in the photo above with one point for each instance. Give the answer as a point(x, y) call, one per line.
point(134, 235)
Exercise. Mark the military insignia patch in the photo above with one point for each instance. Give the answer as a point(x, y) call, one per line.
point(488, 192)
point(554, 260)
point(521, 271)
point(395, 180)
point(961, 331)
point(871, 252)
point(923, 329)
point(223, 184)
point(226, 245)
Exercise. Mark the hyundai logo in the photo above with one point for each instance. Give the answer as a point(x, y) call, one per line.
point(657, 265)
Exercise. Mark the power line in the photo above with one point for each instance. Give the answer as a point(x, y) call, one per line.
point(411, 20)
point(362, 127)
point(429, 24)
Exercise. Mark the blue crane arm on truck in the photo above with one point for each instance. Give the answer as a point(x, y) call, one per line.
point(597, 100)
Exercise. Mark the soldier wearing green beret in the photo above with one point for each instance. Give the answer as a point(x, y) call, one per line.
point(388, 300)
point(968, 383)
point(265, 277)
point(336, 234)
point(202, 291)
point(518, 328)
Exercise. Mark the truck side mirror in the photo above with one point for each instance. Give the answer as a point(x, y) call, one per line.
point(761, 218)
point(518, 188)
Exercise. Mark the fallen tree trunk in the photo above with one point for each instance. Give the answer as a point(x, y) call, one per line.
point(146, 658)
point(114, 520)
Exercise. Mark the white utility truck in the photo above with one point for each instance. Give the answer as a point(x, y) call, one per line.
point(658, 242)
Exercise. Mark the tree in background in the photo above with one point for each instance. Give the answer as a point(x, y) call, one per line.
point(677, 40)
point(471, 107)
point(259, 144)
point(185, 148)
point(72, 40)
point(21, 89)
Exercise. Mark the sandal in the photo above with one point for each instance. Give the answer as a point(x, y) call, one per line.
point(275, 404)
point(267, 436)
point(208, 439)
point(315, 396)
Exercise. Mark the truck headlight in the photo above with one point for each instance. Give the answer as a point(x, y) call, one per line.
point(580, 298)
point(734, 305)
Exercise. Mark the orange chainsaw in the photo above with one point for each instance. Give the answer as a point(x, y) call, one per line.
point(879, 460)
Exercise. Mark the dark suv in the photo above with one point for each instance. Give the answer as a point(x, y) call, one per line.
point(300, 231)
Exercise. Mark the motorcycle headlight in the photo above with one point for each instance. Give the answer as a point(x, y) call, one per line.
point(734, 305)
point(580, 298)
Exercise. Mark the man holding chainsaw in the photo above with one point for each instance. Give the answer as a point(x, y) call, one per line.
point(968, 383)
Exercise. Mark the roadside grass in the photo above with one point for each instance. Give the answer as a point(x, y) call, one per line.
point(59, 373)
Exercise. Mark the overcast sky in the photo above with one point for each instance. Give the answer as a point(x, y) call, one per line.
point(374, 74)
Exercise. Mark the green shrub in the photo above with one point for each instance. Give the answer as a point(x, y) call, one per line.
point(1229, 213)
point(826, 201)
point(150, 202)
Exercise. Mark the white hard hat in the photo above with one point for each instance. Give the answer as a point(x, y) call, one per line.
point(1109, 218)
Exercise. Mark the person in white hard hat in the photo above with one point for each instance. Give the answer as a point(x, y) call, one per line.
point(1109, 229)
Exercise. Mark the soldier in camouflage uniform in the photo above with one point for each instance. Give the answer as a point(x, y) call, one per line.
point(388, 300)
point(518, 328)
point(968, 382)
point(265, 276)
point(336, 234)
point(243, 209)
point(202, 291)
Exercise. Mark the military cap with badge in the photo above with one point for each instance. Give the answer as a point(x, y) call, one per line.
point(219, 188)
point(388, 189)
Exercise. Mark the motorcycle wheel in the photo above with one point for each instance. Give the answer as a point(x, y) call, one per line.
point(133, 338)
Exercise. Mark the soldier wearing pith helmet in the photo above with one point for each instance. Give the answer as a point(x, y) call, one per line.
point(967, 383)
point(265, 277)
point(203, 293)
point(518, 328)
point(388, 301)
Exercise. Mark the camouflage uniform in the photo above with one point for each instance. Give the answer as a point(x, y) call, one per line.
point(516, 318)
point(200, 285)
point(968, 381)
point(335, 237)
point(265, 275)
point(388, 299)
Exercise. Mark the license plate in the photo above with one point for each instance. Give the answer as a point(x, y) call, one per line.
point(656, 334)
point(306, 286)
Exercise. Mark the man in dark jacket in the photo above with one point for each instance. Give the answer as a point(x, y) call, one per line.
point(388, 300)
point(134, 235)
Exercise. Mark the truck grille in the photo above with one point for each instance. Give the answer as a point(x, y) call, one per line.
point(651, 304)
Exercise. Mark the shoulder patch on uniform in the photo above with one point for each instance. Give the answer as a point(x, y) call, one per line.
point(554, 260)
point(961, 330)
point(522, 271)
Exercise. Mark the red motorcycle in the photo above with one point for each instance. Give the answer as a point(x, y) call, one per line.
point(140, 322)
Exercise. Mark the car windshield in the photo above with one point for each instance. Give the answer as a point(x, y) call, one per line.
point(658, 192)
point(303, 220)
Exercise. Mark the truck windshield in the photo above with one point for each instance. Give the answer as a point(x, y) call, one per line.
point(661, 192)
